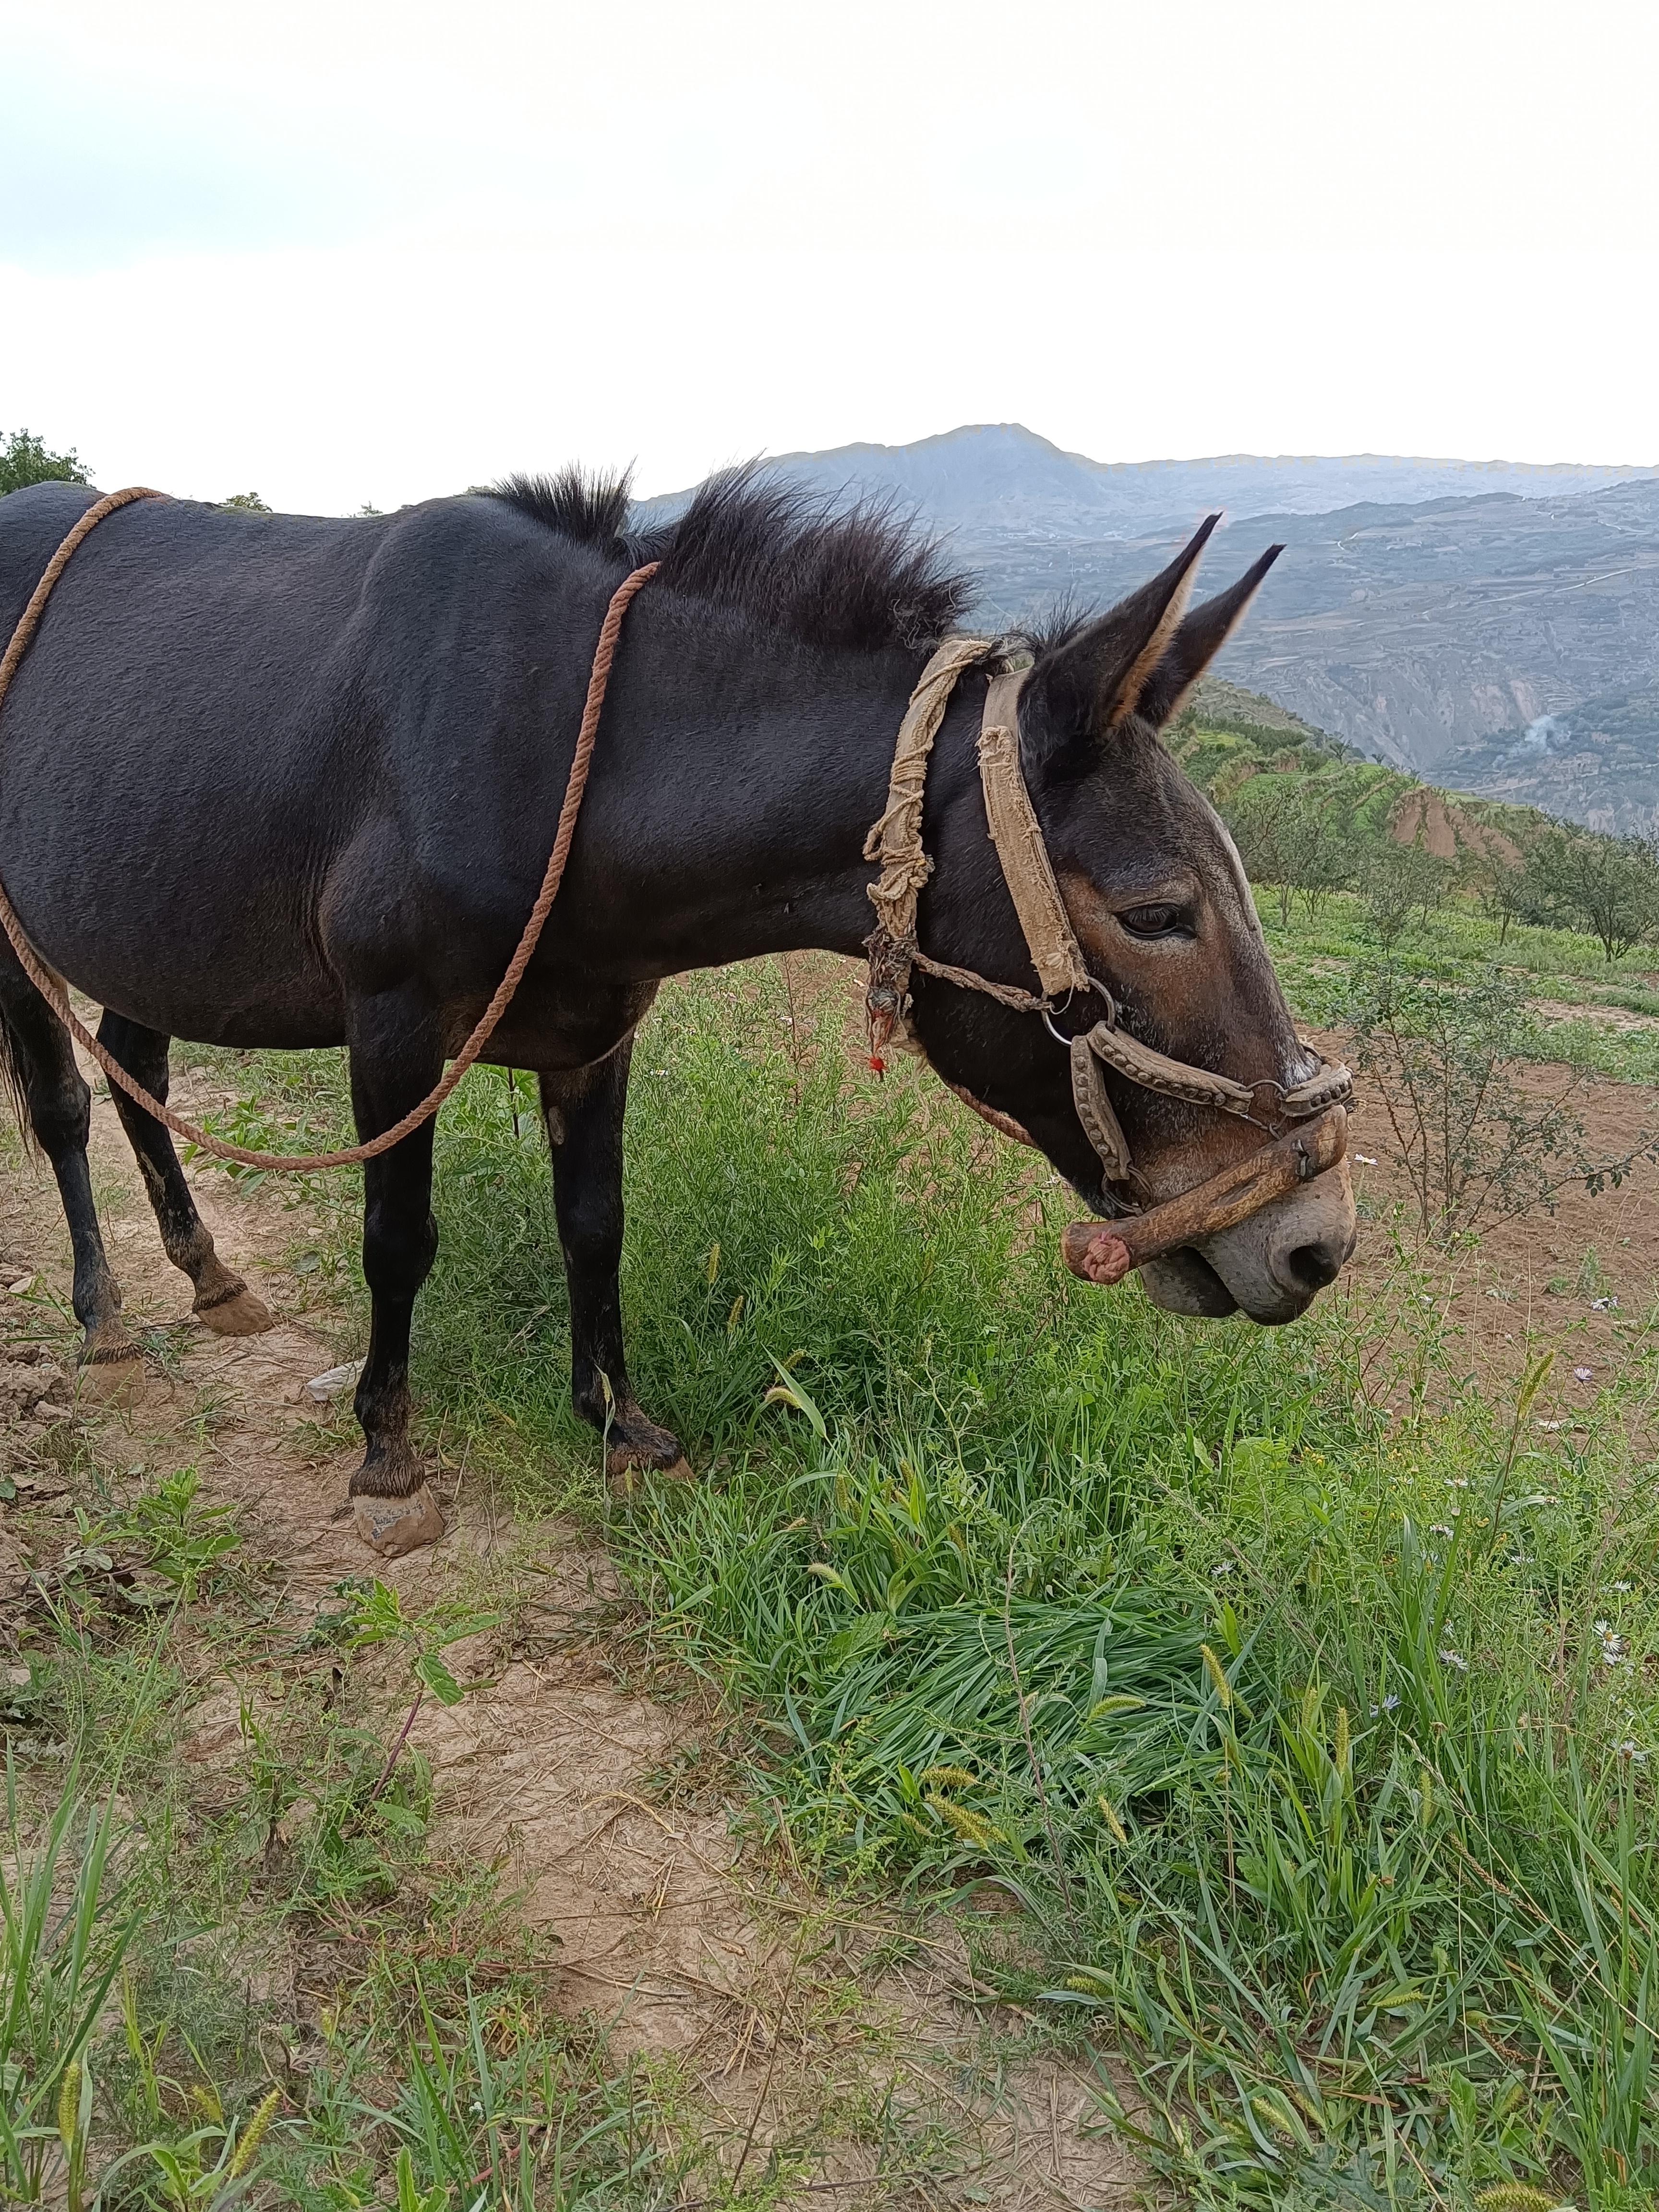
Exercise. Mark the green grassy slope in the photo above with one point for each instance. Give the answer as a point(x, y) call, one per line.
point(1303, 1700)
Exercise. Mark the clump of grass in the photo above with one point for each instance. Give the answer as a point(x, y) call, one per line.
point(1322, 1884)
point(64, 1929)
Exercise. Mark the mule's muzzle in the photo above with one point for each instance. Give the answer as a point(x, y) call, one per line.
point(1300, 1251)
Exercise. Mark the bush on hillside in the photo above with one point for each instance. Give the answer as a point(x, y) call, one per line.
point(1607, 887)
point(24, 459)
point(1291, 838)
point(1397, 880)
point(1507, 888)
point(1475, 1145)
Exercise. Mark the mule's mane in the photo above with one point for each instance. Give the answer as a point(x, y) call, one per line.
point(838, 576)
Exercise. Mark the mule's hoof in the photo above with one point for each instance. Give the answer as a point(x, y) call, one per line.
point(628, 1471)
point(111, 1369)
point(392, 1526)
point(234, 1312)
point(108, 1351)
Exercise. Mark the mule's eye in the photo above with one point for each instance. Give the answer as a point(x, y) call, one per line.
point(1156, 921)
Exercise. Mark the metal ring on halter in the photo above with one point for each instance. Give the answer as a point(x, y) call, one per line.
point(1113, 1012)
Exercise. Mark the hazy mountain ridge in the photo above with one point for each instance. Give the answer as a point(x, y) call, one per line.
point(1428, 611)
point(999, 476)
point(1598, 763)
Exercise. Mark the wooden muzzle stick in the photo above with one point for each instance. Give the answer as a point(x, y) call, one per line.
point(1105, 1251)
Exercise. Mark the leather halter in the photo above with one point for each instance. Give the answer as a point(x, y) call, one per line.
point(1050, 939)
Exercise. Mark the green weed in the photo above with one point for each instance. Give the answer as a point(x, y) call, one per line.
point(64, 1929)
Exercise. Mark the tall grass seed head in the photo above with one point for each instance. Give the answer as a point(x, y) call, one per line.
point(256, 2128)
point(69, 2101)
point(971, 1827)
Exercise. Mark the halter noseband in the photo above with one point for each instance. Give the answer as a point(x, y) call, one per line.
point(895, 842)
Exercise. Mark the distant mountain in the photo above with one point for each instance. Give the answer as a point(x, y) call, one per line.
point(1597, 763)
point(1001, 477)
point(1421, 607)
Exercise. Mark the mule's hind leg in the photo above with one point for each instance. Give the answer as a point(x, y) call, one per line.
point(58, 1105)
point(583, 1110)
point(222, 1300)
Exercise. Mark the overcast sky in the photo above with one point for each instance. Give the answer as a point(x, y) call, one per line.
point(349, 252)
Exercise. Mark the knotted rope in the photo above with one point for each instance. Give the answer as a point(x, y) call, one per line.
point(51, 989)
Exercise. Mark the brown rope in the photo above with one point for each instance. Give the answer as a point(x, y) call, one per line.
point(1005, 995)
point(53, 992)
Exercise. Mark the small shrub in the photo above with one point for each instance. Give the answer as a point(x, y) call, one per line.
point(1476, 1146)
point(1291, 836)
point(1398, 880)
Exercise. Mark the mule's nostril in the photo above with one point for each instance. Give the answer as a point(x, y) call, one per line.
point(1310, 1267)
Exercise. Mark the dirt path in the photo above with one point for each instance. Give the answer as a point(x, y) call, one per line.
point(797, 2016)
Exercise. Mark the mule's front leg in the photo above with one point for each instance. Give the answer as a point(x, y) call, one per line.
point(394, 1063)
point(583, 1110)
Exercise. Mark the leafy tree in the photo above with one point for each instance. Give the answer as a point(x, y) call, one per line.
point(1507, 888)
point(25, 461)
point(1398, 878)
point(1291, 836)
point(1606, 885)
point(247, 502)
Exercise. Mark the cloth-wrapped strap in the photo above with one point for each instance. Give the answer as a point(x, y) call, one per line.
point(1097, 1113)
point(896, 839)
point(1017, 834)
point(1156, 1071)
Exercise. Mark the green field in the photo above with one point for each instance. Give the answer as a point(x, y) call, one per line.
point(1313, 1742)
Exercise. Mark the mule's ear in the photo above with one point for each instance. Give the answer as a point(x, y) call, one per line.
point(1196, 643)
point(1094, 680)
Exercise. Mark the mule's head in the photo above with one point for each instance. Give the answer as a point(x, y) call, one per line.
point(1160, 906)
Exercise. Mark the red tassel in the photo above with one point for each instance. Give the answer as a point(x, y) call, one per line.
point(878, 1065)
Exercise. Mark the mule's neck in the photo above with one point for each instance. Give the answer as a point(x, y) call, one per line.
point(772, 764)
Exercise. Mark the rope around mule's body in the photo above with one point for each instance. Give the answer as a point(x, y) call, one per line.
point(308, 1164)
